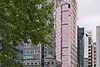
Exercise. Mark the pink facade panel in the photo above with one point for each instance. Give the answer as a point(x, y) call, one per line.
point(58, 35)
point(65, 7)
point(65, 18)
point(65, 36)
point(65, 52)
point(65, 61)
point(62, 36)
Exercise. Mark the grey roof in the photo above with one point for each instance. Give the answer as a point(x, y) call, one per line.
point(28, 57)
point(64, 2)
point(49, 56)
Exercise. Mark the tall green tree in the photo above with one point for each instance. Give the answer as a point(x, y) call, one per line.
point(21, 20)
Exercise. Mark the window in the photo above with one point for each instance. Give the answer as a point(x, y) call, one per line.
point(31, 52)
point(94, 58)
point(89, 49)
point(94, 51)
point(24, 52)
point(45, 52)
point(35, 51)
point(42, 64)
point(89, 53)
point(89, 46)
point(89, 40)
point(28, 63)
point(89, 56)
point(89, 62)
point(48, 62)
point(89, 59)
point(21, 51)
point(24, 45)
point(42, 56)
point(94, 61)
point(35, 63)
point(31, 63)
point(38, 51)
point(27, 52)
point(68, 5)
point(52, 63)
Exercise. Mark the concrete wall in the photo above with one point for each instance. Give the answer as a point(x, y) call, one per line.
point(98, 46)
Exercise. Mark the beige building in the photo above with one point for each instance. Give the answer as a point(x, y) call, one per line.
point(94, 55)
point(90, 43)
point(49, 62)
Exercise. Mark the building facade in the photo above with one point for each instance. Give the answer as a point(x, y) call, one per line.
point(94, 55)
point(66, 32)
point(39, 60)
point(49, 62)
point(85, 62)
point(90, 51)
point(97, 46)
point(80, 46)
point(85, 50)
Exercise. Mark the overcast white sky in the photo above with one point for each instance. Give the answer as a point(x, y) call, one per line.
point(89, 15)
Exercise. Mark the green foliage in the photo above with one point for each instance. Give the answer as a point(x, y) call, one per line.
point(21, 20)
point(8, 62)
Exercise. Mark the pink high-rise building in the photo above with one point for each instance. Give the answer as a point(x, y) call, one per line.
point(66, 32)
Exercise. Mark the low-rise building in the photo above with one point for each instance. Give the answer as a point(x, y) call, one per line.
point(50, 61)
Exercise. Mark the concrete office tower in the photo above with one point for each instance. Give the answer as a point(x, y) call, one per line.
point(90, 43)
point(98, 46)
point(94, 55)
point(66, 32)
point(85, 50)
point(80, 46)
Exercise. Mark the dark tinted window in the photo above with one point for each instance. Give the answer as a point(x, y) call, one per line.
point(52, 63)
point(35, 63)
point(48, 62)
point(89, 39)
point(31, 63)
point(94, 51)
point(28, 63)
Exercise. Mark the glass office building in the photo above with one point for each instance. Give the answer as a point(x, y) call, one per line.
point(80, 45)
